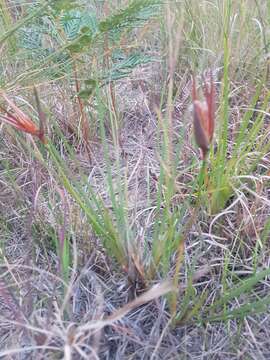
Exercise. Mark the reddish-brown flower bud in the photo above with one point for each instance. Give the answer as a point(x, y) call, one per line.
point(20, 120)
point(203, 116)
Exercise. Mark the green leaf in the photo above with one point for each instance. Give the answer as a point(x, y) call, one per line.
point(242, 311)
point(240, 289)
point(86, 93)
point(136, 12)
point(124, 67)
point(219, 198)
point(90, 82)
point(76, 22)
point(64, 5)
point(79, 44)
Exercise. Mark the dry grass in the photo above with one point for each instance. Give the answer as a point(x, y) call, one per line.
point(82, 306)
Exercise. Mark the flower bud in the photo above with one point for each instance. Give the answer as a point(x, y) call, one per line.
point(203, 116)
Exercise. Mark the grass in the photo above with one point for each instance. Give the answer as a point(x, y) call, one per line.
point(117, 240)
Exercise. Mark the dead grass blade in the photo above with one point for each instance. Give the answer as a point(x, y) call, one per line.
point(155, 292)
